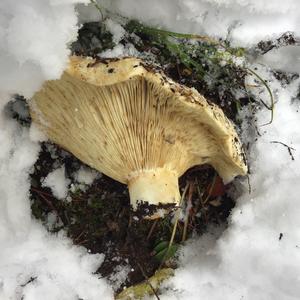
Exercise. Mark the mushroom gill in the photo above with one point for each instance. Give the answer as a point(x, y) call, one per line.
point(129, 121)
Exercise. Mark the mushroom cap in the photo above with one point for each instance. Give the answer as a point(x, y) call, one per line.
point(123, 117)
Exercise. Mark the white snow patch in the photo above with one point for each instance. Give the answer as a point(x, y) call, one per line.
point(86, 175)
point(36, 135)
point(120, 51)
point(88, 13)
point(33, 42)
point(285, 59)
point(245, 21)
point(44, 266)
point(119, 276)
point(34, 38)
point(57, 182)
point(115, 29)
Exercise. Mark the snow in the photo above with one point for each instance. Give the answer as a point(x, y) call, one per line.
point(34, 37)
point(257, 257)
point(118, 33)
point(36, 135)
point(119, 276)
point(49, 267)
point(244, 21)
point(286, 59)
point(86, 175)
point(116, 30)
point(57, 182)
point(120, 51)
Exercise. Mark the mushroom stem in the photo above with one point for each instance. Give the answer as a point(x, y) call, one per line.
point(153, 186)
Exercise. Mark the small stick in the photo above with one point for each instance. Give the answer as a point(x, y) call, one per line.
point(202, 204)
point(249, 185)
point(200, 197)
point(79, 236)
point(47, 201)
point(147, 280)
point(94, 2)
point(210, 189)
point(41, 192)
point(178, 70)
point(151, 229)
point(271, 107)
point(175, 226)
point(189, 205)
point(288, 147)
point(82, 242)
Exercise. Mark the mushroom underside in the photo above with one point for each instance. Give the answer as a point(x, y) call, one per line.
point(136, 132)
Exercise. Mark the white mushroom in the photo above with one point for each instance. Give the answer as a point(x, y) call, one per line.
point(132, 123)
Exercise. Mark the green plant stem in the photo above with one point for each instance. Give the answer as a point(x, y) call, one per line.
point(95, 3)
point(271, 108)
point(186, 221)
point(184, 57)
point(175, 226)
point(136, 26)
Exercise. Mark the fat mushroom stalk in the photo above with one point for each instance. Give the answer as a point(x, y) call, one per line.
point(126, 119)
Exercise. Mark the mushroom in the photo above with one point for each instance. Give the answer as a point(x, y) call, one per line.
point(126, 119)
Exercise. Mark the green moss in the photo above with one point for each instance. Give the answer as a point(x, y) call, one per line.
point(147, 288)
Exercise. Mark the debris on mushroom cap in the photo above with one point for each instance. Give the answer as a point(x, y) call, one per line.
point(129, 121)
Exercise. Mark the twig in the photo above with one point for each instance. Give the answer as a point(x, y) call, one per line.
point(287, 146)
point(41, 192)
point(175, 226)
point(249, 185)
point(98, 7)
point(79, 236)
point(197, 203)
point(151, 229)
point(32, 279)
point(210, 189)
point(186, 221)
point(147, 280)
point(178, 70)
point(49, 203)
point(200, 201)
point(82, 242)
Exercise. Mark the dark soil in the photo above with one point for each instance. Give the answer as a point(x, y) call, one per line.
point(286, 39)
point(101, 219)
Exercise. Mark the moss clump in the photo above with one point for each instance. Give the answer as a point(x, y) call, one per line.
point(147, 288)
